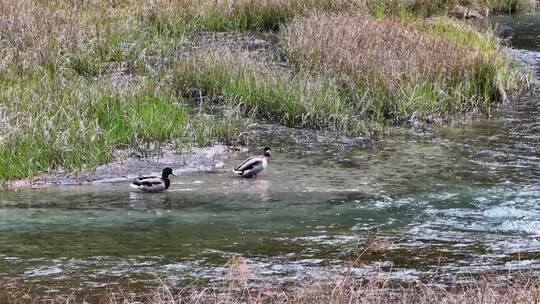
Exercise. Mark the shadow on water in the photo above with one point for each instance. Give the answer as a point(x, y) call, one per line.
point(459, 199)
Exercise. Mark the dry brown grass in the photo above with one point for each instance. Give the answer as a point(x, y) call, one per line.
point(404, 72)
point(368, 49)
point(378, 290)
point(36, 34)
point(341, 287)
point(35, 31)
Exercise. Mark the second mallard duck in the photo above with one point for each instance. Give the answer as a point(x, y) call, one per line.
point(154, 183)
point(254, 165)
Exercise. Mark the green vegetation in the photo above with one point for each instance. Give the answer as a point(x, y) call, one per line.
point(455, 31)
point(51, 125)
point(79, 80)
point(269, 93)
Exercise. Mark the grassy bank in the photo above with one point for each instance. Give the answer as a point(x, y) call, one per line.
point(234, 15)
point(79, 83)
point(423, 71)
point(79, 80)
point(269, 92)
point(53, 126)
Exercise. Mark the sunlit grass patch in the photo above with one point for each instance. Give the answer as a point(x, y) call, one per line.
point(458, 31)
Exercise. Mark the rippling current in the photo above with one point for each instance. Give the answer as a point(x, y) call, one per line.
point(460, 199)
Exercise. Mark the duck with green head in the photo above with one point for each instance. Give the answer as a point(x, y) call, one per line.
point(154, 183)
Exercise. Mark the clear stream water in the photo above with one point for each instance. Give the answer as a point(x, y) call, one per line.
point(461, 199)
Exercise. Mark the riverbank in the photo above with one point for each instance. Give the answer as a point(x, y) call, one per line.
point(125, 166)
point(80, 82)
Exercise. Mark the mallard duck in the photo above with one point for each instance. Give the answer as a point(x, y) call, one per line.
point(154, 183)
point(254, 165)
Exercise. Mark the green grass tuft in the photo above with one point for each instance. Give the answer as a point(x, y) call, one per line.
point(294, 101)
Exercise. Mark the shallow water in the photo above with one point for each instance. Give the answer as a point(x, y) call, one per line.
point(521, 30)
point(461, 199)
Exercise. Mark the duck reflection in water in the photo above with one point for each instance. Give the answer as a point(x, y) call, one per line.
point(253, 187)
point(146, 201)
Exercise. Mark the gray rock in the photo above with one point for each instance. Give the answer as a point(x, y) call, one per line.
point(463, 12)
